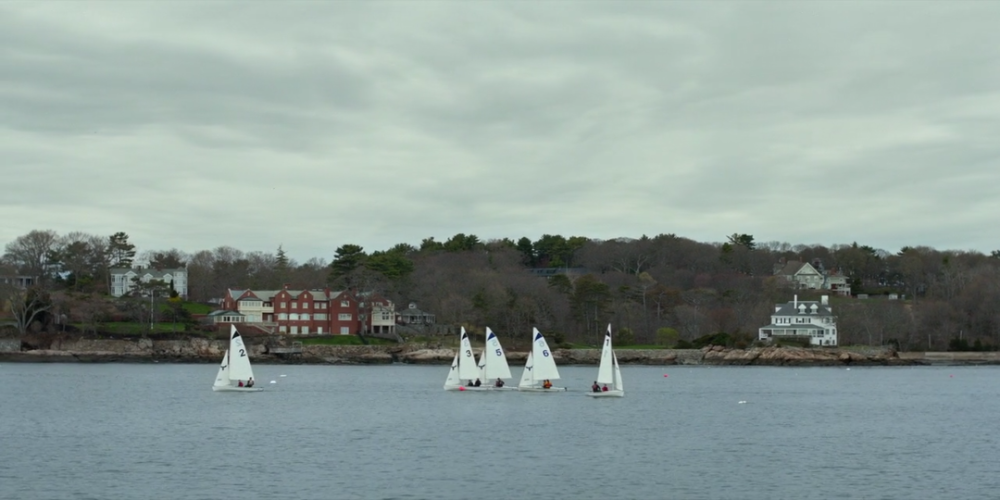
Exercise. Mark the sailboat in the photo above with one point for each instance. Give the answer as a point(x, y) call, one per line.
point(463, 368)
point(609, 374)
point(539, 367)
point(493, 363)
point(235, 366)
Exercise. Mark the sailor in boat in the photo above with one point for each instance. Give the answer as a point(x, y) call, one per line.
point(478, 383)
point(605, 389)
point(240, 384)
point(499, 382)
point(547, 384)
point(250, 382)
point(595, 387)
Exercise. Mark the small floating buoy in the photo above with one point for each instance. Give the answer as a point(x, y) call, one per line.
point(283, 375)
point(743, 402)
point(848, 369)
point(461, 388)
point(274, 381)
point(665, 375)
point(951, 376)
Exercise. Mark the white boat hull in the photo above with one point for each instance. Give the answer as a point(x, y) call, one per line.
point(229, 388)
point(541, 389)
point(607, 394)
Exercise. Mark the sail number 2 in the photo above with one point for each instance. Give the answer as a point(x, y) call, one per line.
point(243, 353)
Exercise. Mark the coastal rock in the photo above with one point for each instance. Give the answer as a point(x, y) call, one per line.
point(428, 356)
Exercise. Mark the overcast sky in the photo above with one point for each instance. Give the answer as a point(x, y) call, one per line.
point(193, 125)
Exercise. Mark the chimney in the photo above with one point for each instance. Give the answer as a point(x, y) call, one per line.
point(286, 285)
point(795, 301)
point(825, 300)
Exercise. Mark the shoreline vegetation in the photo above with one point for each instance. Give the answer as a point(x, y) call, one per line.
point(268, 351)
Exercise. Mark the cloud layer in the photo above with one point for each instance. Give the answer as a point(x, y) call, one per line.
point(312, 124)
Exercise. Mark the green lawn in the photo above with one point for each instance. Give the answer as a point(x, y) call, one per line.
point(191, 307)
point(122, 328)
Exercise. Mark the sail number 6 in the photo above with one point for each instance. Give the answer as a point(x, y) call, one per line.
point(545, 353)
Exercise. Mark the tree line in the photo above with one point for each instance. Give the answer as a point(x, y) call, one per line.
point(664, 289)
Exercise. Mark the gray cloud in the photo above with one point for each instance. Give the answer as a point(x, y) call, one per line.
point(311, 125)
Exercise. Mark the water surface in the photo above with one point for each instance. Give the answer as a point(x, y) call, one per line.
point(100, 431)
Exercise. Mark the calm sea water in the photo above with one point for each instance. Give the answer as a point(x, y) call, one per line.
point(390, 432)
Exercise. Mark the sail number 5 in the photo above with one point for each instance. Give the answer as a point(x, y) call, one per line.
point(499, 352)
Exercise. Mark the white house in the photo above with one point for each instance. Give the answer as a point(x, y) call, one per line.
point(122, 279)
point(806, 276)
point(803, 319)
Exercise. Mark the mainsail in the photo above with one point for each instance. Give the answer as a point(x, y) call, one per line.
point(495, 361)
point(239, 362)
point(545, 365)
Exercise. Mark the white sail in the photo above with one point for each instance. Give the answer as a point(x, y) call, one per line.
point(526, 379)
point(453, 380)
point(239, 359)
point(545, 365)
point(222, 379)
point(496, 361)
point(618, 375)
point(481, 365)
point(605, 374)
point(467, 367)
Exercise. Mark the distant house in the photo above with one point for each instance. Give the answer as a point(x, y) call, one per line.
point(415, 317)
point(311, 312)
point(806, 276)
point(811, 319)
point(9, 276)
point(216, 317)
point(123, 279)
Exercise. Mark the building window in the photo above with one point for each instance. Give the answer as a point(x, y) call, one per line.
point(344, 316)
point(282, 329)
point(345, 303)
point(304, 317)
point(344, 330)
point(295, 305)
point(305, 330)
point(319, 330)
point(295, 330)
point(282, 316)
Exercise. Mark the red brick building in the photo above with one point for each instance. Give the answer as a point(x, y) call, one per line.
point(312, 312)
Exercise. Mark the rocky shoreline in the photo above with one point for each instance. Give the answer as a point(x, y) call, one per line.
point(199, 350)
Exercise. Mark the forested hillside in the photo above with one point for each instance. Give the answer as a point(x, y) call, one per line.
point(664, 289)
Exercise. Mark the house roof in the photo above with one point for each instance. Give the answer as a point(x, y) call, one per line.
point(268, 295)
point(222, 312)
point(155, 273)
point(790, 309)
point(413, 311)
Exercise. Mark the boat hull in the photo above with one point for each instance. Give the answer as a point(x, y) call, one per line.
point(467, 388)
point(607, 394)
point(541, 389)
point(229, 388)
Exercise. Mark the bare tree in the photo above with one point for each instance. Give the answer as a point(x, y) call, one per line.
point(27, 306)
point(30, 253)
